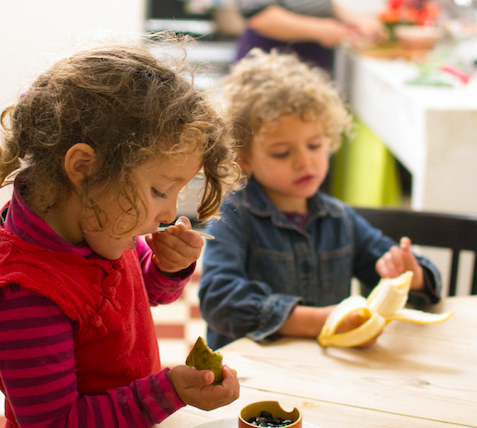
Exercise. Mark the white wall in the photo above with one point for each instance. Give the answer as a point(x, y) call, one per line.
point(34, 33)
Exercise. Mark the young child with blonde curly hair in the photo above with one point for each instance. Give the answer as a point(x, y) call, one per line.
point(99, 147)
point(285, 253)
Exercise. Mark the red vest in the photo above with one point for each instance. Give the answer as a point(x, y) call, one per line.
point(115, 340)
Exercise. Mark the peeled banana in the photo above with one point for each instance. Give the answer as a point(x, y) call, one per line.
point(384, 304)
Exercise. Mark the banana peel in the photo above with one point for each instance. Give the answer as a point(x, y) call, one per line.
point(203, 358)
point(385, 304)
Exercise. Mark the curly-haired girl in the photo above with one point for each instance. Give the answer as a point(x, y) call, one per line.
point(99, 148)
point(285, 252)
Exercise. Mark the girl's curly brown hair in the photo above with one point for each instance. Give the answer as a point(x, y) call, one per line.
point(129, 107)
point(263, 87)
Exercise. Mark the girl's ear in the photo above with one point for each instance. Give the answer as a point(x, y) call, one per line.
point(79, 161)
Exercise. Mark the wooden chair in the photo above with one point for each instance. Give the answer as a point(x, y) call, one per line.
point(454, 232)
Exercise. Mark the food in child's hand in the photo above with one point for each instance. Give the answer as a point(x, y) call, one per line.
point(203, 358)
point(384, 304)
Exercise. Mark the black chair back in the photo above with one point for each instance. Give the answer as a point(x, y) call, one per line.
point(455, 232)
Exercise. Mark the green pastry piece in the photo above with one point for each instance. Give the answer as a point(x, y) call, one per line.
point(203, 358)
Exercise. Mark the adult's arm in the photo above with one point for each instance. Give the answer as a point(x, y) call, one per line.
point(366, 25)
point(278, 23)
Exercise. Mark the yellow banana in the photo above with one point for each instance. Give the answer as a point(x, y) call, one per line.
point(385, 304)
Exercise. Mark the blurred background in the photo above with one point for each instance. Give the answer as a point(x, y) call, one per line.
point(439, 112)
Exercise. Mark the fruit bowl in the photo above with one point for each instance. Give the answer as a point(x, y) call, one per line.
point(417, 36)
point(271, 411)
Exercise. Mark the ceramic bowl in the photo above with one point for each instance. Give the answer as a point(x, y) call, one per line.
point(418, 37)
point(273, 407)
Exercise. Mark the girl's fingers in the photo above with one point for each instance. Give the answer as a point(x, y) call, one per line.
point(182, 220)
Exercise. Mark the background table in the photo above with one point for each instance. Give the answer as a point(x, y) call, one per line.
point(415, 376)
point(431, 130)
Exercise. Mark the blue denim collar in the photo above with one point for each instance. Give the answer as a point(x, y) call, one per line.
point(258, 203)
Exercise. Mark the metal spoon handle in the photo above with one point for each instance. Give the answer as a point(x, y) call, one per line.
point(203, 234)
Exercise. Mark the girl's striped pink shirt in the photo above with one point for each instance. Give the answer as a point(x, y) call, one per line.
point(37, 363)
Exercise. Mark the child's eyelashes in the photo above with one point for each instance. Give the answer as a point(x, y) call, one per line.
point(280, 155)
point(157, 194)
point(283, 155)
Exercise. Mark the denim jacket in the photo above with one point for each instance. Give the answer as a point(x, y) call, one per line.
point(261, 265)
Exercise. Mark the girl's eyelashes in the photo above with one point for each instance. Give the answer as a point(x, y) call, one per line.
point(157, 194)
point(281, 155)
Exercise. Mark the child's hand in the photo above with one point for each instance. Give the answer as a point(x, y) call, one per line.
point(177, 247)
point(194, 387)
point(353, 321)
point(399, 260)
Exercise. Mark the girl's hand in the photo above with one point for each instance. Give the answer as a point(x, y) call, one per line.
point(399, 260)
point(176, 248)
point(194, 387)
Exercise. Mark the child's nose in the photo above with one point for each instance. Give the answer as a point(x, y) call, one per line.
point(302, 159)
point(167, 213)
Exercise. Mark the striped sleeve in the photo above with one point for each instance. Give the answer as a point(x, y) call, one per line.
point(37, 368)
point(316, 8)
point(248, 8)
point(160, 288)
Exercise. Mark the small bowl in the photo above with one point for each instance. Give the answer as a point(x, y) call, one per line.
point(417, 36)
point(273, 407)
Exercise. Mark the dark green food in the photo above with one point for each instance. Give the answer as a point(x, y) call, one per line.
point(203, 358)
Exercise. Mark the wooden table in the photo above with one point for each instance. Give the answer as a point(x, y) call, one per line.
point(415, 376)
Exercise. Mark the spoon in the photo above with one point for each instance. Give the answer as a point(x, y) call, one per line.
point(203, 234)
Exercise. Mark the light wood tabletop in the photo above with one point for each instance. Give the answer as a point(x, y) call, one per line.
point(414, 376)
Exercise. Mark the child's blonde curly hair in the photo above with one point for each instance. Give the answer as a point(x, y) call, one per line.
point(263, 87)
point(129, 107)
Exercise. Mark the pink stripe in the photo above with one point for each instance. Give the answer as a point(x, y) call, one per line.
point(28, 333)
point(146, 393)
point(125, 397)
point(43, 388)
point(115, 404)
point(40, 238)
point(37, 351)
point(151, 403)
point(46, 407)
point(33, 371)
point(33, 311)
point(106, 411)
point(169, 390)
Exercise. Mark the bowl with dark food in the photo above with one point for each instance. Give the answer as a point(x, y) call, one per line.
point(269, 414)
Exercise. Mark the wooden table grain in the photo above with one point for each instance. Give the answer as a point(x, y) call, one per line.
point(415, 376)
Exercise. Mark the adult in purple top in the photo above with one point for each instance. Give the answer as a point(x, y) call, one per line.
point(309, 28)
